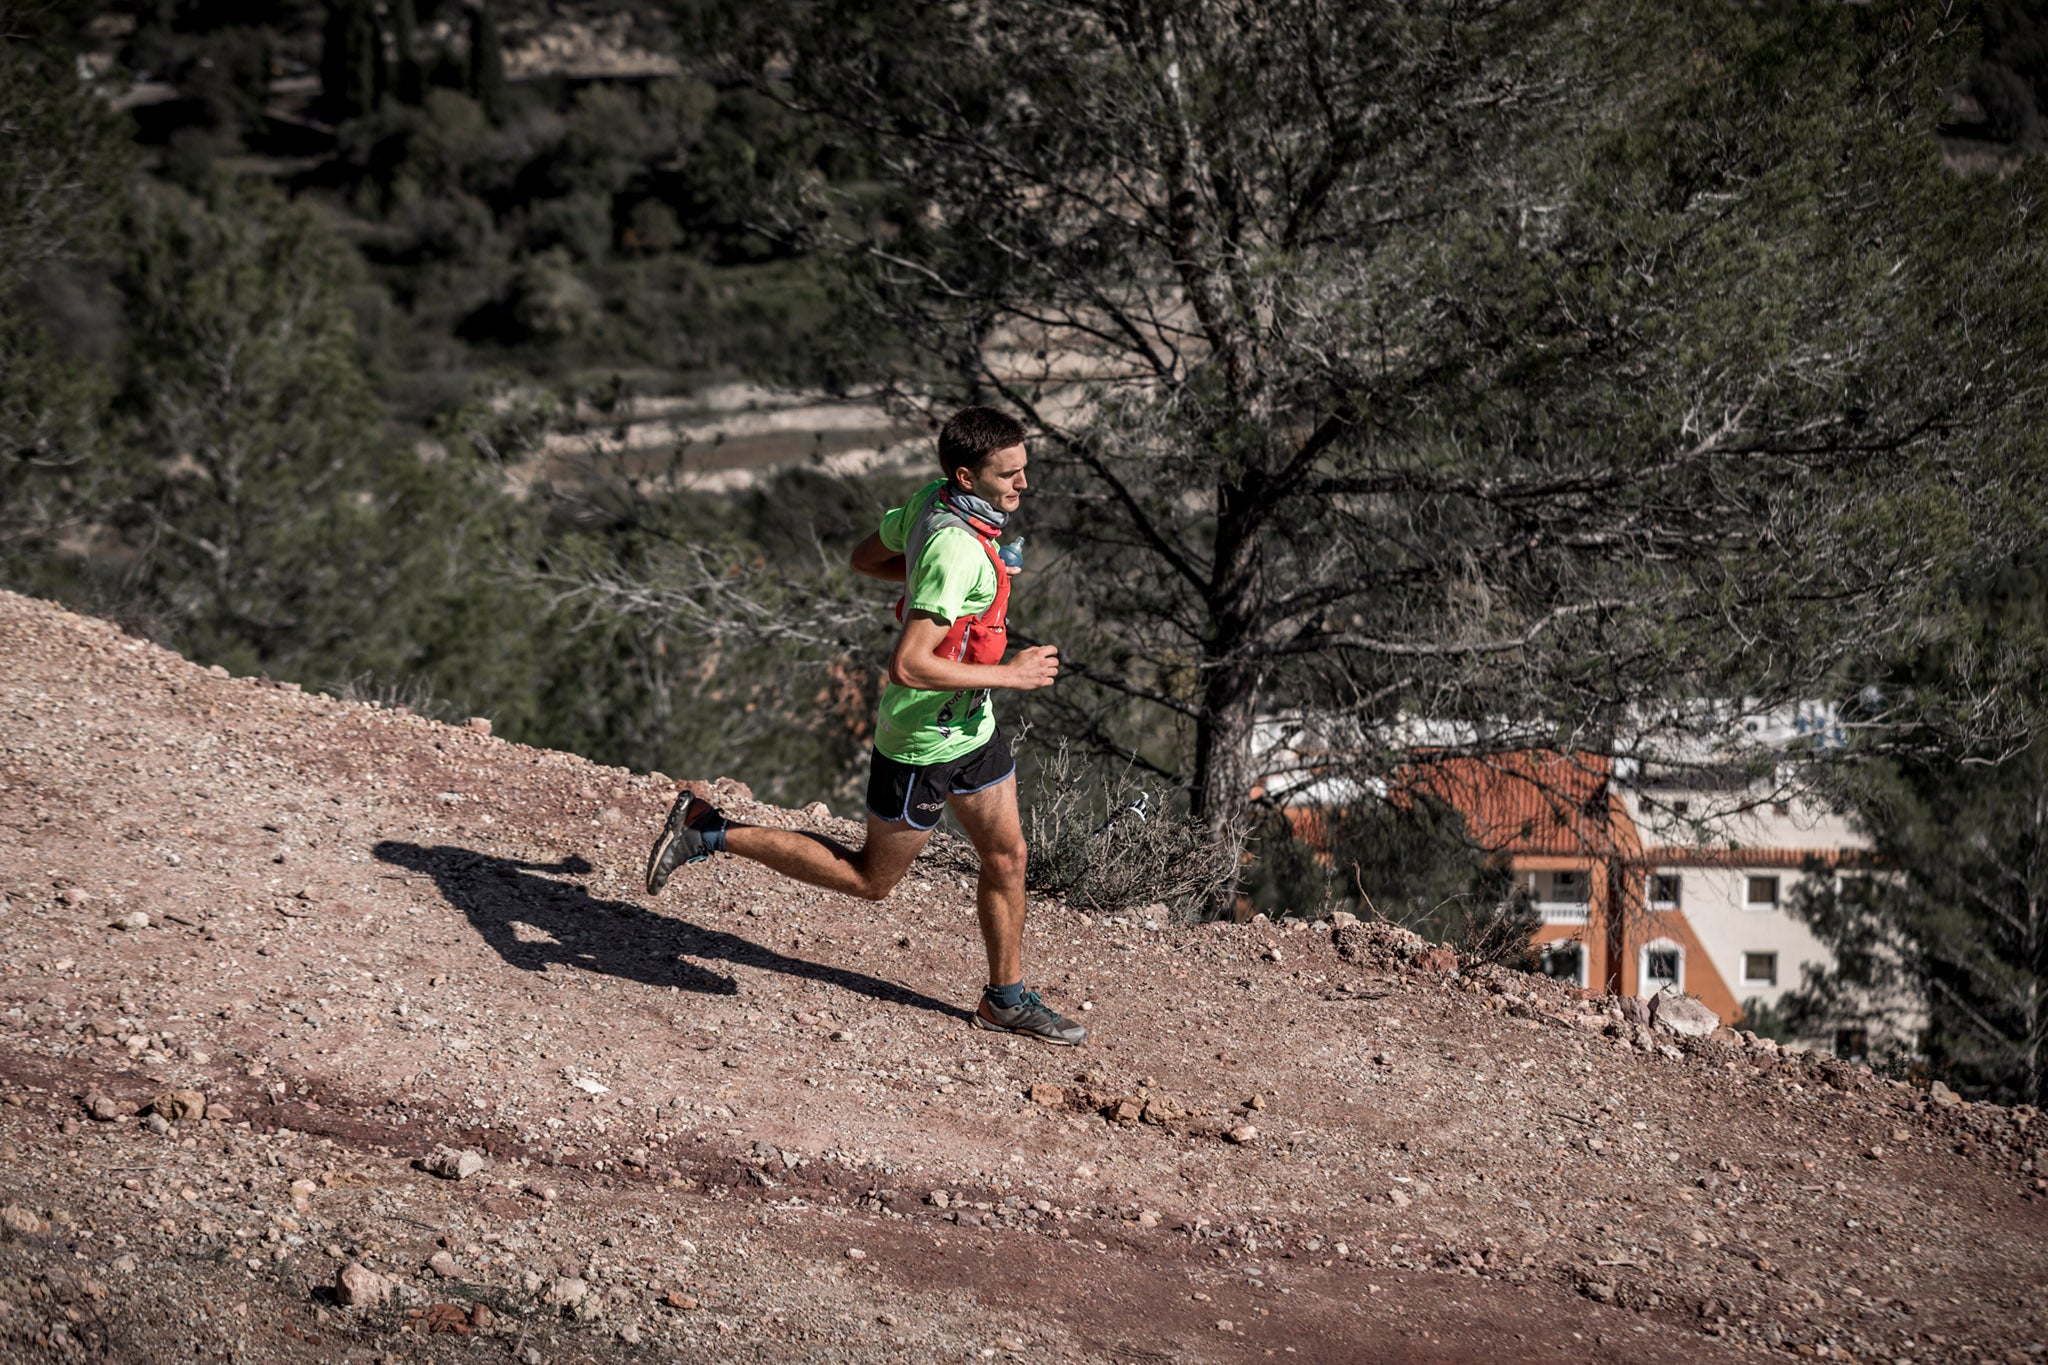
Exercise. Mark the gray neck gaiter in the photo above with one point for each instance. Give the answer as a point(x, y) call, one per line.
point(968, 505)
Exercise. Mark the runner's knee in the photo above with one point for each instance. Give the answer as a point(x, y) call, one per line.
point(1003, 862)
point(875, 886)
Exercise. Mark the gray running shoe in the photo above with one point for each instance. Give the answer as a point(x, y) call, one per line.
point(681, 839)
point(1032, 1018)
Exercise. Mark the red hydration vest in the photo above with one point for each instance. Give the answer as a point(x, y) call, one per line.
point(977, 639)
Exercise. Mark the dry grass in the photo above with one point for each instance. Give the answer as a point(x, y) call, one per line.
point(1109, 846)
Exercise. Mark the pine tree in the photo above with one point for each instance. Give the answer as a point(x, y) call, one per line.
point(1397, 359)
point(1951, 932)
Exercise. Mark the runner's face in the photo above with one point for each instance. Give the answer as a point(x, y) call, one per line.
point(1000, 480)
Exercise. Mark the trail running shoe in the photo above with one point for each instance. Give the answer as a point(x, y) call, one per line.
point(681, 840)
point(1032, 1018)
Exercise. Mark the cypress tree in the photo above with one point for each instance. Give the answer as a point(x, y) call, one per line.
point(405, 36)
point(486, 63)
point(351, 59)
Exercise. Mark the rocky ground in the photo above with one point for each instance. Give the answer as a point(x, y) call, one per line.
point(328, 1033)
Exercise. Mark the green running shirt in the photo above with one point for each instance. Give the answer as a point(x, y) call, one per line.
point(951, 579)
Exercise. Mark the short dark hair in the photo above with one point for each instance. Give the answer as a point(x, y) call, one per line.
point(973, 434)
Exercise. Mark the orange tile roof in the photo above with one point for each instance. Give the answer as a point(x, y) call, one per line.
point(1532, 802)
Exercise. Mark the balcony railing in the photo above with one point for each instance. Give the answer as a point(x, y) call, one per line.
point(1562, 912)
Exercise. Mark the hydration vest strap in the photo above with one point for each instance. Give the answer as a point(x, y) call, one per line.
point(971, 637)
point(988, 625)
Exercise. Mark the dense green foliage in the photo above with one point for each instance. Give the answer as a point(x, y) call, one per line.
point(268, 417)
point(1955, 917)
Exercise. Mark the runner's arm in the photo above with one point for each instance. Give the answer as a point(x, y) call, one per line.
point(914, 665)
point(877, 560)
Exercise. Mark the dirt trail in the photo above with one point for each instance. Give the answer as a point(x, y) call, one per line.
point(369, 935)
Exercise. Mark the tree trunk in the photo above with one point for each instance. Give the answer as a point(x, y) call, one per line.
point(1223, 777)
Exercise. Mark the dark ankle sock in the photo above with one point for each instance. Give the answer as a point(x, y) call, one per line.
point(1005, 997)
point(713, 831)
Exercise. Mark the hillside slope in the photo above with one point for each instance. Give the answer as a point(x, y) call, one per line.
point(747, 1119)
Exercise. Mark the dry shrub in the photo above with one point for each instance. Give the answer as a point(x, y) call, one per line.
point(1108, 846)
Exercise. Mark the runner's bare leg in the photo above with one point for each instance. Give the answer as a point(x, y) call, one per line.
point(990, 818)
point(870, 872)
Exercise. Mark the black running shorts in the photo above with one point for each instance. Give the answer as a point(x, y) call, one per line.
point(917, 796)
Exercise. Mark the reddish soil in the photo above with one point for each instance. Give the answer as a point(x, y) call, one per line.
point(369, 935)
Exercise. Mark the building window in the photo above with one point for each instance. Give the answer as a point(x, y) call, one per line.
point(1763, 893)
point(1759, 969)
point(1664, 890)
point(1662, 966)
point(1565, 961)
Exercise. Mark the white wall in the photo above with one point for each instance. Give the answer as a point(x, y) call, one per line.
point(1714, 902)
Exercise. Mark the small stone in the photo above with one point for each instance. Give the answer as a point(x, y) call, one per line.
point(105, 1109)
point(442, 1264)
point(20, 1221)
point(134, 919)
point(358, 1287)
point(1050, 1096)
point(855, 1254)
point(1600, 1291)
point(445, 1317)
point(480, 724)
point(1943, 1096)
point(1271, 955)
point(1399, 1198)
point(681, 1302)
point(568, 1291)
point(159, 1124)
point(1225, 1325)
point(482, 1318)
point(1681, 1014)
point(630, 1334)
point(1256, 1102)
point(818, 810)
point(180, 1106)
point(1244, 1133)
point(940, 1199)
point(1342, 919)
point(450, 1164)
point(1440, 960)
point(124, 1264)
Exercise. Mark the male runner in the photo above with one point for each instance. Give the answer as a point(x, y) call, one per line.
point(936, 743)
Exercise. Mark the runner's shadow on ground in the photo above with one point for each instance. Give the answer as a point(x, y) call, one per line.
point(535, 918)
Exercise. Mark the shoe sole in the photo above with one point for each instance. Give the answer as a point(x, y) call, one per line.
point(977, 1021)
point(671, 830)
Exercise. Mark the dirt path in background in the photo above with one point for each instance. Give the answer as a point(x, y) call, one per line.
point(369, 935)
